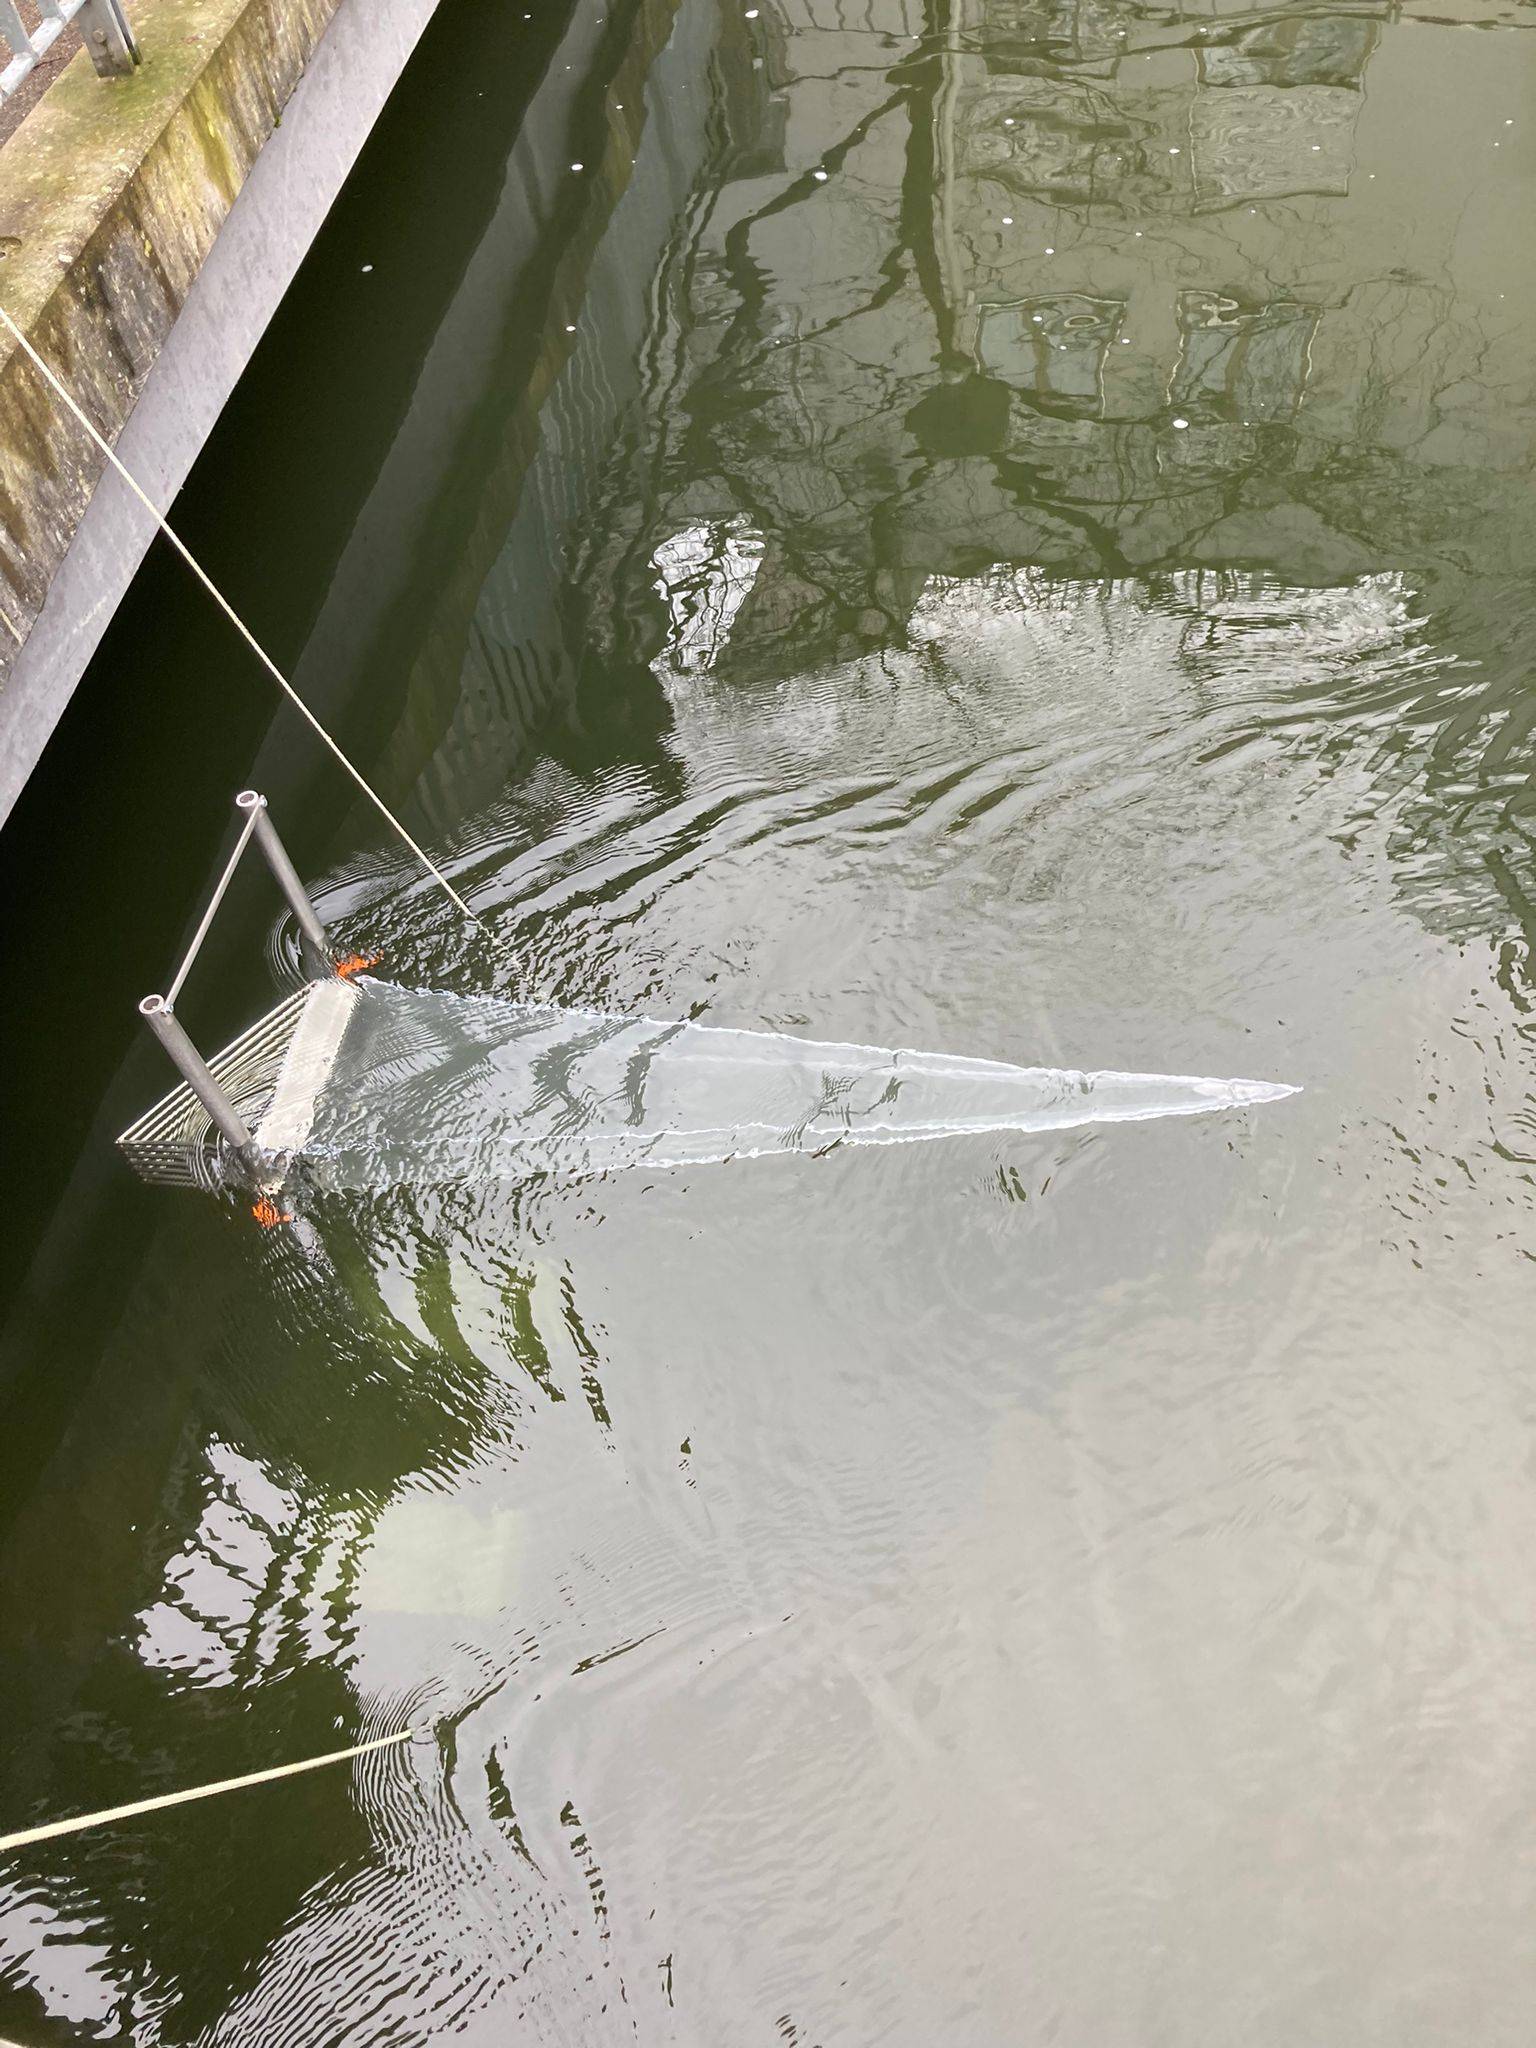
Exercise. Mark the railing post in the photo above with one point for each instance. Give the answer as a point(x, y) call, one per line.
point(16, 34)
point(193, 1069)
point(105, 32)
point(249, 803)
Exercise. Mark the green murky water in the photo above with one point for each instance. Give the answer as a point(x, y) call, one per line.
point(1005, 529)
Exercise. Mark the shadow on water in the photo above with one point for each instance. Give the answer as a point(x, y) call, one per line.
point(996, 527)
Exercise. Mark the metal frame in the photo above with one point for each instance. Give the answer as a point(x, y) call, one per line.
point(103, 29)
point(159, 1012)
point(193, 1069)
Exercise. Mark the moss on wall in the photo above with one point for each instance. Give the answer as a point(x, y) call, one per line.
point(112, 194)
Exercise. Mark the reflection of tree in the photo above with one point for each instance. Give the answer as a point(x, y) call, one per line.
point(826, 335)
point(881, 376)
point(229, 1644)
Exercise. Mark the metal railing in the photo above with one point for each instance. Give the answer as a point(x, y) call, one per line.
point(103, 29)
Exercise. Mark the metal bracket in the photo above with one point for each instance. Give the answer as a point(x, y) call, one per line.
point(105, 32)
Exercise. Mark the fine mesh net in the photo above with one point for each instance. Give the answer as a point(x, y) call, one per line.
point(174, 1142)
point(375, 1086)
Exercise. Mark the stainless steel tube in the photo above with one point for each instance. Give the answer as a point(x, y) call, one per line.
point(190, 1064)
point(251, 803)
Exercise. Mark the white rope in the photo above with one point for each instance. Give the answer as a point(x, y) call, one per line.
point(241, 627)
point(92, 1820)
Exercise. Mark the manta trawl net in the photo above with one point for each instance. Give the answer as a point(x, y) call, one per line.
point(371, 1085)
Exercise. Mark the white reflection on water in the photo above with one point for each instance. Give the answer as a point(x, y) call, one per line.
point(704, 576)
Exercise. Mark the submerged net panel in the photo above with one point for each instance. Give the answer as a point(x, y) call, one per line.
point(270, 1065)
point(374, 1086)
point(424, 1088)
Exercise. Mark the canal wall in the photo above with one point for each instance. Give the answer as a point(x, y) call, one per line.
point(149, 228)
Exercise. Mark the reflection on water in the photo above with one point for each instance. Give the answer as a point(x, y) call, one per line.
point(1016, 538)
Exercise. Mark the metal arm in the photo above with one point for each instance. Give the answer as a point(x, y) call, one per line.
point(189, 1063)
point(252, 805)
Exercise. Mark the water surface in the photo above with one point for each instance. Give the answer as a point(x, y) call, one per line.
point(1006, 530)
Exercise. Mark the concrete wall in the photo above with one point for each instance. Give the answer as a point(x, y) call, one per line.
point(149, 229)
